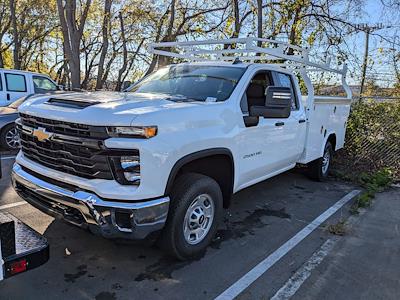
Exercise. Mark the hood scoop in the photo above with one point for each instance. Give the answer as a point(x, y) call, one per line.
point(72, 102)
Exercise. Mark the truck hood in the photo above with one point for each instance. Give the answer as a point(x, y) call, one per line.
point(7, 111)
point(100, 108)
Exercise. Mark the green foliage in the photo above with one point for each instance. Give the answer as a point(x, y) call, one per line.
point(372, 183)
point(373, 136)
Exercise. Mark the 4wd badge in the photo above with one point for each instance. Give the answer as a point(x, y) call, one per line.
point(41, 134)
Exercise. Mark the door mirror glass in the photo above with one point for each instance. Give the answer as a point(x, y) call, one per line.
point(277, 103)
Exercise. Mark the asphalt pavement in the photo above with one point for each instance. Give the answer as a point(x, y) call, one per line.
point(261, 221)
point(366, 264)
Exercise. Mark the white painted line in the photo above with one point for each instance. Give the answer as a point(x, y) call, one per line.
point(12, 205)
point(8, 157)
point(296, 281)
point(245, 281)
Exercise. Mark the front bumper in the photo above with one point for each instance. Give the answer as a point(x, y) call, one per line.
point(109, 218)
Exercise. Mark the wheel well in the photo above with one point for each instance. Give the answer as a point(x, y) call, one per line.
point(217, 166)
point(332, 140)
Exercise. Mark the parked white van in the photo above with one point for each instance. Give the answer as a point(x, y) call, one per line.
point(15, 84)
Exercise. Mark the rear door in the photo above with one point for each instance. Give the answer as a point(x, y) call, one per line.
point(293, 129)
point(15, 86)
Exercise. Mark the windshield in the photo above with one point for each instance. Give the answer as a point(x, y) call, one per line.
point(191, 82)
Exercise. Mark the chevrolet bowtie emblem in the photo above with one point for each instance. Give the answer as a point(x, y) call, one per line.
point(41, 134)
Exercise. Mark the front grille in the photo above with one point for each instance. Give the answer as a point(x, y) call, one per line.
point(67, 128)
point(75, 149)
point(72, 159)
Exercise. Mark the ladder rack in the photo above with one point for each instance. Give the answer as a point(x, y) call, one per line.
point(245, 49)
point(248, 50)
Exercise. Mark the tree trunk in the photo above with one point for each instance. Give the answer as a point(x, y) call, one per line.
point(259, 21)
point(125, 53)
point(72, 34)
point(236, 13)
point(16, 41)
point(169, 37)
point(293, 30)
point(105, 30)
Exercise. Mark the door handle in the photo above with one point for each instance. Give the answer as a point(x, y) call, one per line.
point(302, 121)
point(8, 96)
point(279, 123)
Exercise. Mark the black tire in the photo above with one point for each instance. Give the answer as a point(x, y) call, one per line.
point(3, 137)
point(187, 188)
point(316, 169)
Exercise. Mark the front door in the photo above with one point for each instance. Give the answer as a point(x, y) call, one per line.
point(15, 86)
point(274, 144)
point(261, 147)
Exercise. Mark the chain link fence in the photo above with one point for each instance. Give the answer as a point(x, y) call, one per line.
point(372, 137)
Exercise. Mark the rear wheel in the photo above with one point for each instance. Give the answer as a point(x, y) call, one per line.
point(194, 212)
point(9, 138)
point(319, 168)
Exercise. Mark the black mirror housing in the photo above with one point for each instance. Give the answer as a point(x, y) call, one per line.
point(278, 101)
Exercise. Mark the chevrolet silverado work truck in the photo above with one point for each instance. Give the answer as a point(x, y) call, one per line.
point(163, 158)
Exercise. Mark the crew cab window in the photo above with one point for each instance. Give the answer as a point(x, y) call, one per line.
point(43, 85)
point(255, 92)
point(15, 82)
point(191, 82)
point(285, 80)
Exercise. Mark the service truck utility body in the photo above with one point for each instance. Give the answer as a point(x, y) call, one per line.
point(134, 163)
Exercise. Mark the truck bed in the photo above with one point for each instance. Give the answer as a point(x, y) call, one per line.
point(328, 115)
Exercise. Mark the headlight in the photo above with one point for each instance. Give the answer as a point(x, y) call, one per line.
point(133, 131)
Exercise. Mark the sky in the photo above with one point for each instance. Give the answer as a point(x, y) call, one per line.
point(374, 12)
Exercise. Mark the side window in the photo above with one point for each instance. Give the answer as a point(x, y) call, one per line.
point(255, 92)
point(15, 82)
point(1, 82)
point(285, 80)
point(43, 84)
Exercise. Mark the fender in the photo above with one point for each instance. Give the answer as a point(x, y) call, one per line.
point(194, 156)
point(330, 133)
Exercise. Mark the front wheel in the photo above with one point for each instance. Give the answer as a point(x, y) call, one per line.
point(9, 138)
point(319, 168)
point(194, 212)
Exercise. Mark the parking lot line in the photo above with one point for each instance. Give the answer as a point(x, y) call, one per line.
point(12, 205)
point(245, 281)
point(296, 281)
point(8, 157)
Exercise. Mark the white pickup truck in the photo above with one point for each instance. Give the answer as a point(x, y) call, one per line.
point(163, 158)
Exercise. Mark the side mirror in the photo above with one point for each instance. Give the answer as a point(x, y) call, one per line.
point(125, 85)
point(60, 87)
point(278, 102)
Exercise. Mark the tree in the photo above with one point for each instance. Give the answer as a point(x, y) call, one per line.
point(16, 40)
point(5, 23)
point(72, 30)
point(105, 34)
